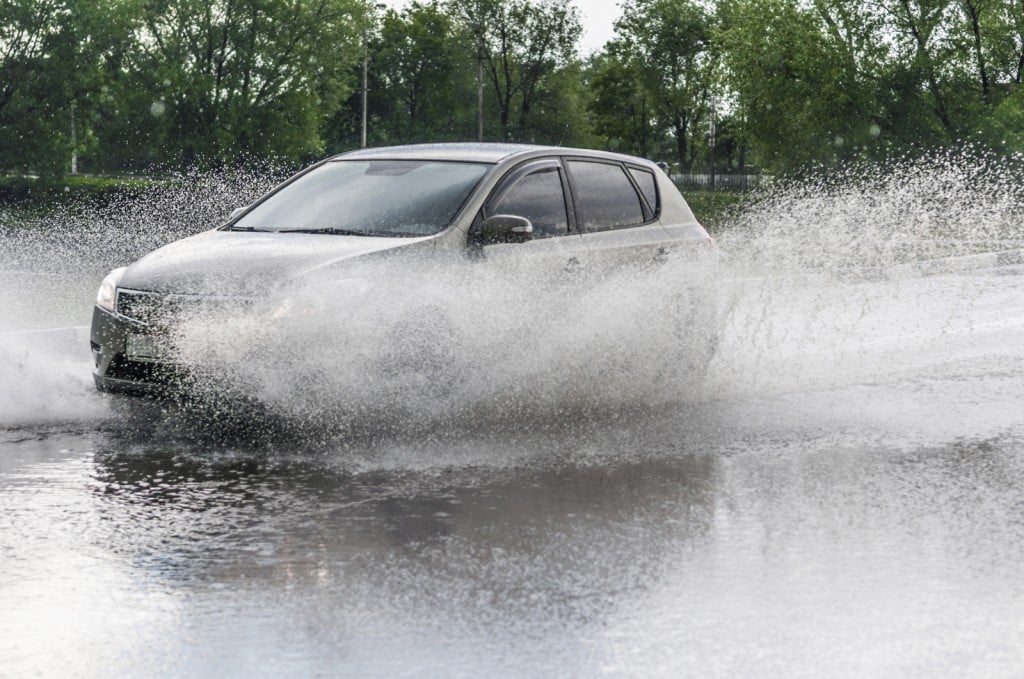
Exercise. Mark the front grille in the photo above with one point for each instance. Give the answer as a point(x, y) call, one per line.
point(136, 371)
point(162, 310)
point(143, 307)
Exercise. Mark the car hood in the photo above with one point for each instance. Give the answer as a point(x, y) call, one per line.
point(241, 262)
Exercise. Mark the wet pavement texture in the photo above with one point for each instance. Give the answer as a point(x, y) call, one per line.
point(718, 540)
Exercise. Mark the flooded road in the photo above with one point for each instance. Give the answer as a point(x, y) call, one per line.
point(874, 527)
point(840, 496)
point(835, 542)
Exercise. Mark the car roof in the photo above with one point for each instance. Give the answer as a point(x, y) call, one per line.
point(472, 152)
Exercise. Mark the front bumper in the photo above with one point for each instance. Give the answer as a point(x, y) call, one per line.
point(114, 370)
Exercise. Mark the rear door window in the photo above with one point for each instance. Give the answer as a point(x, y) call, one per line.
point(605, 197)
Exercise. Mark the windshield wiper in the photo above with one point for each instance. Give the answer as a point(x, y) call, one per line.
point(235, 227)
point(330, 230)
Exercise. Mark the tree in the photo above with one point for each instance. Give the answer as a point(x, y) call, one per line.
point(622, 110)
point(26, 30)
point(521, 44)
point(959, 57)
point(25, 26)
point(558, 115)
point(922, 21)
point(800, 81)
point(225, 77)
point(423, 75)
point(669, 48)
point(53, 59)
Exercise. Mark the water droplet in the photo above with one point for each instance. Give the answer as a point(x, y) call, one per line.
point(157, 109)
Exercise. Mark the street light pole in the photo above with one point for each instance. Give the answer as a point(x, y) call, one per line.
point(74, 142)
point(711, 142)
point(366, 68)
point(479, 29)
point(480, 95)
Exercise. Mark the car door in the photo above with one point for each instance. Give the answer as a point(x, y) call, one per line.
point(616, 208)
point(538, 191)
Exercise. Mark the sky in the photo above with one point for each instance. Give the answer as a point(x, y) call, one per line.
point(597, 17)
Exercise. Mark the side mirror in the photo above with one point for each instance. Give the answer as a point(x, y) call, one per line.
point(234, 213)
point(506, 229)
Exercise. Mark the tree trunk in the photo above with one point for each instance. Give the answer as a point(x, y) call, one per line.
point(974, 14)
point(926, 60)
point(681, 144)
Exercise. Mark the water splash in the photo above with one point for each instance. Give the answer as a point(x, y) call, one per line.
point(873, 272)
point(867, 275)
point(879, 220)
point(427, 345)
point(50, 266)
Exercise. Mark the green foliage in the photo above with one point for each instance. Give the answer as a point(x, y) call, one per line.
point(41, 192)
point(1008, 122)
point(429, 63)
point(128, 85)
point(559, 114)
point(815, 83)
point(657, 75)
point(54, 56)
point(226, 77)
point(712, 208)
point(622, 109)
point(423, 80)
point(521, 44)
point(799, 91)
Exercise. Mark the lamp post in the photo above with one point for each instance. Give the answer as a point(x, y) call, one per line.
point(366, 71)
point(366, 68)
point(480, 94)
point(479, 30)
point(74, 142)
point(711, 141)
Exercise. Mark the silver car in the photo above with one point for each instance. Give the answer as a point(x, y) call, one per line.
point(483, 204)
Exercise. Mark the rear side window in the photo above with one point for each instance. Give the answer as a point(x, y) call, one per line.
point(605, 198)
point(645, 180)
point(539, 197)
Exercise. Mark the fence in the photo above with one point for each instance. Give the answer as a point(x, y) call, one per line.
point(723, 182)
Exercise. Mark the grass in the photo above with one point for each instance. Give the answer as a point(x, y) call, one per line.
point(712, 208)
point(42, 192)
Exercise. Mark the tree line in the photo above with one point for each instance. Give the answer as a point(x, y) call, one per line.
point(773, 85)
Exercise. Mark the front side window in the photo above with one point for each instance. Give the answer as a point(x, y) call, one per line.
point(369, 198)
point(605, 197)
point(539, 197)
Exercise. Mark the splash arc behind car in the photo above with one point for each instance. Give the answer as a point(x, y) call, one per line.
point(573, 209)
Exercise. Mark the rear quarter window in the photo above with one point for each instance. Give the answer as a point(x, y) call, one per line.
point(645, 180)
point(605, 197)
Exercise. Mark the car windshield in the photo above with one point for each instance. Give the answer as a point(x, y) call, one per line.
point(368, 198)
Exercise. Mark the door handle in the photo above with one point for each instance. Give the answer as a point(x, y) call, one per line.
point(573, 265)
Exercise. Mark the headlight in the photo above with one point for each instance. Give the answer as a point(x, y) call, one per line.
point(106, 298)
